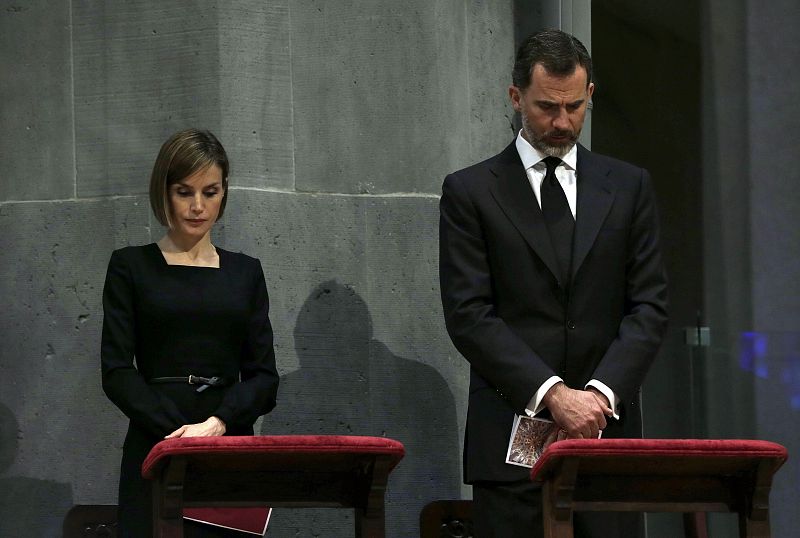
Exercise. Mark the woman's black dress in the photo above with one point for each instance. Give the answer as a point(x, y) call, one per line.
point(178, 320)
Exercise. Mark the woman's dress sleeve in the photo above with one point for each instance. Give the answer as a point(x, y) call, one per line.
point(122, 382)
point(256, 394)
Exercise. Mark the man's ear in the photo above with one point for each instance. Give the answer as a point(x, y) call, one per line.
point(515, 95)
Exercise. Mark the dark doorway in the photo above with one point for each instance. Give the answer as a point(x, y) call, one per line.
point(647, 110)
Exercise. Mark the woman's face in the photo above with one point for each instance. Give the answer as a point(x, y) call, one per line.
point(194, 202)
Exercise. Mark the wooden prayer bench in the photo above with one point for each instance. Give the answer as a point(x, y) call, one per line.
point(658, 475)
point(275, 470)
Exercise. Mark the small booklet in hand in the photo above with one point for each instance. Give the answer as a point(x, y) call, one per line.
point(529, 437)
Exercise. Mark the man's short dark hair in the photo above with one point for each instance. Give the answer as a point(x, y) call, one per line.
point(557, 51)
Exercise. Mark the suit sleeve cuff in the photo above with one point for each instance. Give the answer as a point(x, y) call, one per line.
point(613, 399)
point(535, 406)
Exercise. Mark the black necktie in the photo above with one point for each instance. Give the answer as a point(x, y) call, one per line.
point(558, 218)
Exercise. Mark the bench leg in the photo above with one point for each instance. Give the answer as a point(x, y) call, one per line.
point(557, 499)
point(370, 526)
point(750, 527)
point(168, 528)
point(168, 500)
point(165, 523)
point(754, 508)
point(557, 521)
point(370, 510)
point(695, 525)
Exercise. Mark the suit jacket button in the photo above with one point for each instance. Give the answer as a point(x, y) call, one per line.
point(570, 325)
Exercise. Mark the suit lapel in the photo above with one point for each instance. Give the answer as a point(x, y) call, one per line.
point(595, 197)
point(514, 195)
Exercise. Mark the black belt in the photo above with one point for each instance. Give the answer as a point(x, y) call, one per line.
point(204, 382)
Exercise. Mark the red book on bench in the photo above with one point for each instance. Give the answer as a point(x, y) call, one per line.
point(250, 520)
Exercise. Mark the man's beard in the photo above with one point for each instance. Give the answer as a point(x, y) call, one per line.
point(540, 141)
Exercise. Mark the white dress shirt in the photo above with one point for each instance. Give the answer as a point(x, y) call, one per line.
point(566, 173)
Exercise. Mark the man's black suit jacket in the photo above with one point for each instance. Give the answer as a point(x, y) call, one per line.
point(517, 325)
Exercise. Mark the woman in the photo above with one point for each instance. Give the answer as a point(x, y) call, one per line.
point(194, 317)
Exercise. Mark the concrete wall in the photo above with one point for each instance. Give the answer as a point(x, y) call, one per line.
point(340, 118)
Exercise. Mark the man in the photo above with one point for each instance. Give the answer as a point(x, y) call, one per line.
point(552, 285)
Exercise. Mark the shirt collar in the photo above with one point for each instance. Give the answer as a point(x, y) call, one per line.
point(531, 156)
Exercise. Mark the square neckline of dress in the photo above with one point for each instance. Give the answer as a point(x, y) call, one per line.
point(157, 252)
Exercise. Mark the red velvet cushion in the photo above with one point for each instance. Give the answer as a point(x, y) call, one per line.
point(704, 449)
point(270, 444)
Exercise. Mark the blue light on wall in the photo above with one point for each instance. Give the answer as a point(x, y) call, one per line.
point(762, 353)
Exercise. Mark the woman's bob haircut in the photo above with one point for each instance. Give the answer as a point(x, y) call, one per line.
point(183, 154)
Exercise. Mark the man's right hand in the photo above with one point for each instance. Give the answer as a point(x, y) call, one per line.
point(578, 412)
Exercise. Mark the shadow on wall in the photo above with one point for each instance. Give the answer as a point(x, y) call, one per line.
point(28, 506)
point(350, 384)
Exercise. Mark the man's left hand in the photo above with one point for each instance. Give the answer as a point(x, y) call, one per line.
point(560, 435)
point(600, 397)
point(579, 413)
